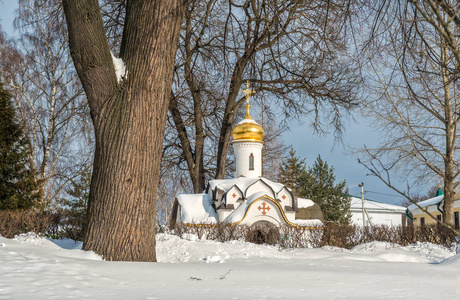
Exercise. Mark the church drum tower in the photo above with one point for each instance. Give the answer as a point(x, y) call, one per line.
point(248, 143)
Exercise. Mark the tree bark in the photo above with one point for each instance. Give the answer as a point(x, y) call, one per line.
point(449, 176)
point(129, 119)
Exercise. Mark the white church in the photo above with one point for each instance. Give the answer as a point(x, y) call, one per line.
point(248, 198)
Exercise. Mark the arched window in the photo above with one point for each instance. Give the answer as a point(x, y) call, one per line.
point(251, 162)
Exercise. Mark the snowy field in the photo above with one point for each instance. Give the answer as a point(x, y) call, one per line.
point(39, 268)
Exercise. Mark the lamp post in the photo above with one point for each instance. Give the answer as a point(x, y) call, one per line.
point(361, 185)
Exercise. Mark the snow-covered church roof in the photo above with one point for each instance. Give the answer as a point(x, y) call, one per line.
point(196, 209)
point(257, 194)
point(243, 184)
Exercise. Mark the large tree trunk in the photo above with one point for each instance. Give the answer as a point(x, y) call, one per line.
point(129, 120)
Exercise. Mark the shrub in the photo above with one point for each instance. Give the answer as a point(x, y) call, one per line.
point(62, 224)
point(339, 235)
point(55, 225)
point(331, 234)
point(16, 222)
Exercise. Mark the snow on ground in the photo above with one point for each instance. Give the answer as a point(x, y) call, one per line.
point(32, 267)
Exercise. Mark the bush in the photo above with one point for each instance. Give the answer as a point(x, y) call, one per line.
point(16, 222)
point(218, 232)
point(435, 234)
point(331, 234)
point(63, 224)
point(55, 225)
point(343, 236)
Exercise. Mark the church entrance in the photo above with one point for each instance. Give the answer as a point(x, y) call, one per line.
point(263, 232)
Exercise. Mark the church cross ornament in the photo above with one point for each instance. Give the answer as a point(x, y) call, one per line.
point(263, 208)
point(248, 92)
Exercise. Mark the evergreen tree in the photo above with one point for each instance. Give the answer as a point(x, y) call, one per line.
point(76, 205)
point(18, 188)
point(291, 171)
point(318, 184)
point(79, 194)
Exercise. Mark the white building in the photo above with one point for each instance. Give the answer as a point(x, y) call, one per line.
point(248, 198)
point(377, 213)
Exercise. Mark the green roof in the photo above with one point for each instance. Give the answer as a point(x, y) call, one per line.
point(439, 192)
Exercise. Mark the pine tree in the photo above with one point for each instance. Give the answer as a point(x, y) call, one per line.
point(18, 188)
point(291, 171)
point(318, 184)
point(76, 205)
point(79, 194)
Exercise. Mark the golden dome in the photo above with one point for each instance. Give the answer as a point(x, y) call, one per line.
point(248, 129)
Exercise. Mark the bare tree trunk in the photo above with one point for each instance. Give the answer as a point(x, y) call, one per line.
point(231, 107)
point(194, 159)
point(449, 176)
point(224, 142)
point(129, 120)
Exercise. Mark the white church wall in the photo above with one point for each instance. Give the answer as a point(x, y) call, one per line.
point(233, 195)
point(242, 152)
point(256, 213)
point(223, 214)
point(285, 198)
point(290, 215)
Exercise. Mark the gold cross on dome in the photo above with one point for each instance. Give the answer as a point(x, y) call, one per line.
point(248, 92)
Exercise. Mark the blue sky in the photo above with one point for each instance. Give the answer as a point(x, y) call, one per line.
point(302, 139)
point(357, 134)
point(7, 8)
